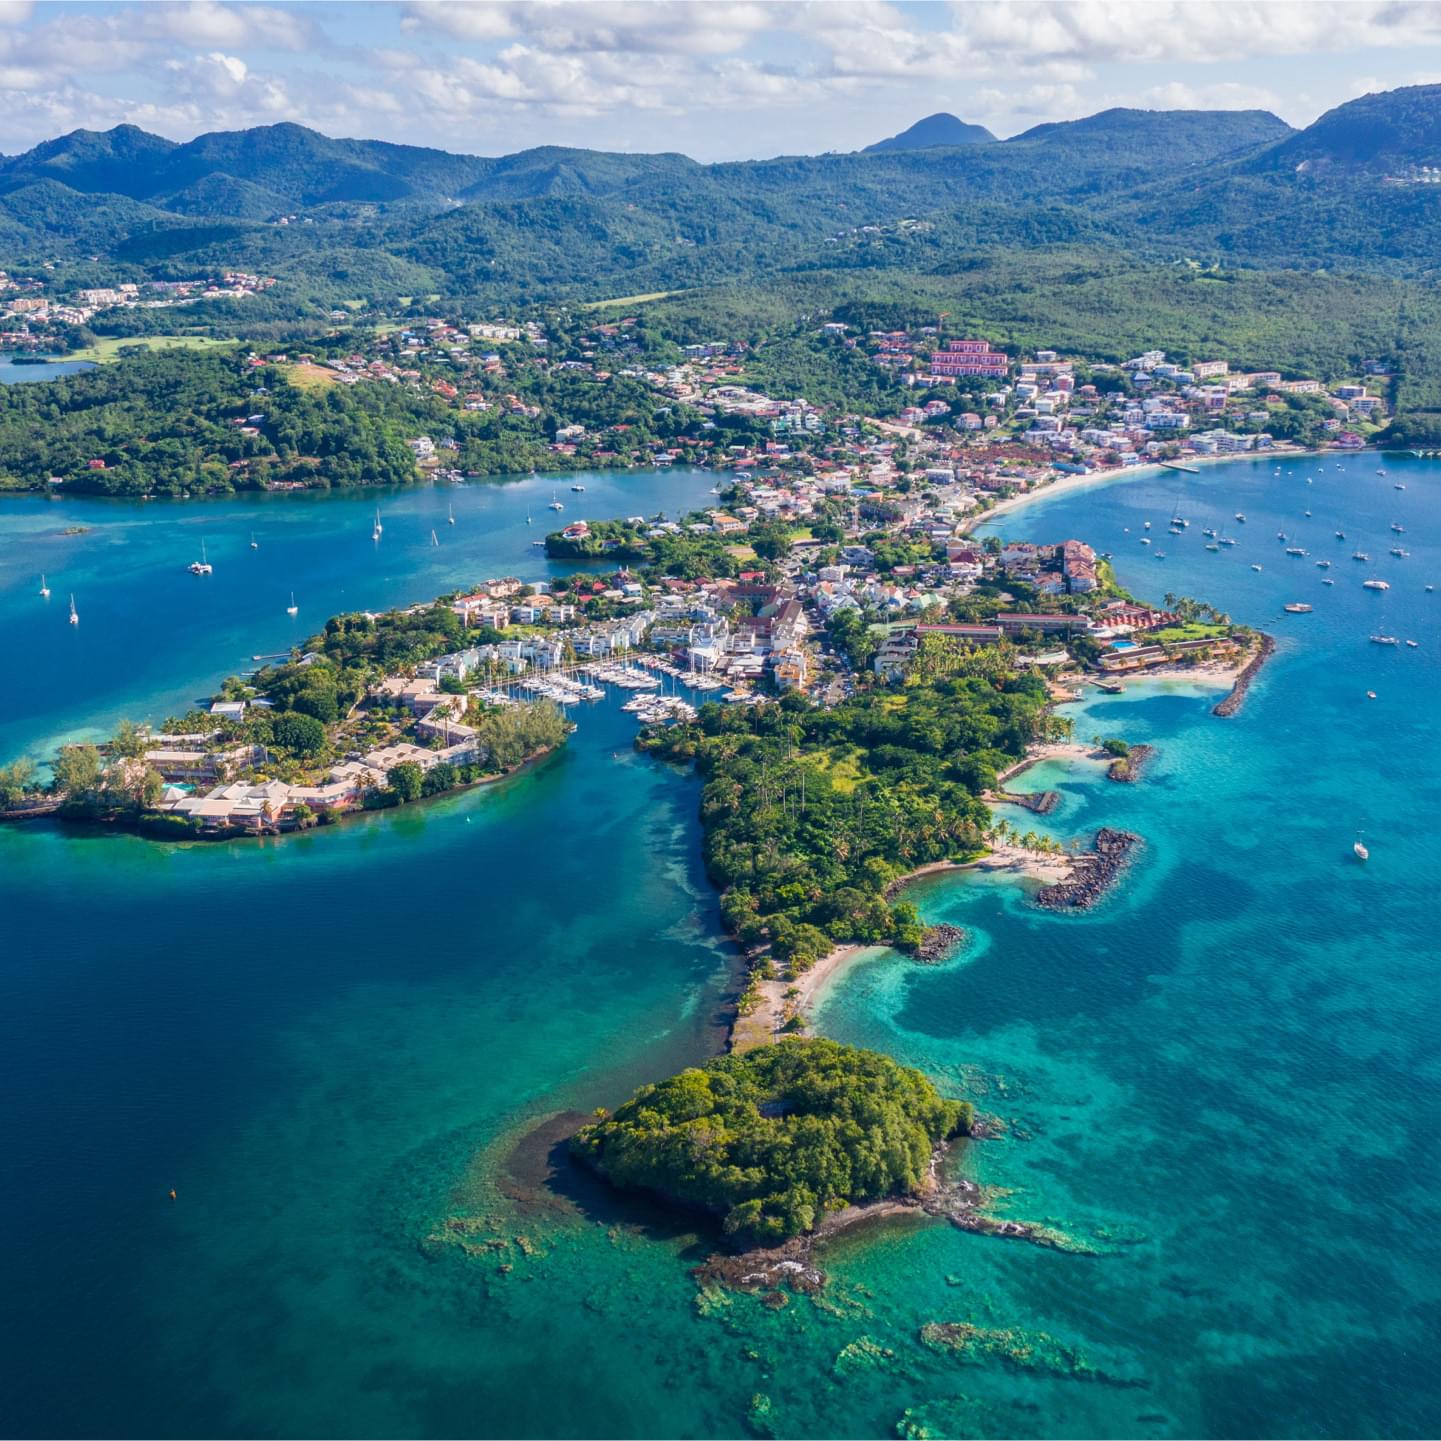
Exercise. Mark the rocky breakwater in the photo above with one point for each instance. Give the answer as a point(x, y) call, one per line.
point(1230, 704)
point(939, 943)
point(1127, 768)
point(1092, 874)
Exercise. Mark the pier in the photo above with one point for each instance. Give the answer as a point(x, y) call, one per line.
point(1176, 465)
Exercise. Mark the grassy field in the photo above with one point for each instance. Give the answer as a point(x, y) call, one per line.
point(1196, 630)
point(305, 376)
point(631, 299)
point(109, 349)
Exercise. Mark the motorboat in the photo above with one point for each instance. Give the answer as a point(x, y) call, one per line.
point(1296, 607)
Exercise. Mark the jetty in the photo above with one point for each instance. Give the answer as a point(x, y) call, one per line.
point(1231, 703)
point(1176, 465)
point(1093, 874)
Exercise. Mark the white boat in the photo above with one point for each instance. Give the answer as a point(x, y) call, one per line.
point(201, 566)
point(74, 614)
point(1328, 581)
point(1359, 555)
point(1384, 640)
point(1360, 852)
point(376, 529)
point(1324, 564)
point(1400, 485)
point(1147, 526)
point(1399, 529)
point(528, 520)
point(1240, 517)
point(1255, 567)
point(1412, 644)
point(554, 503)
point(1296, 607)
point(254, 544)
point(292, 608)
point(1376, 584)
point(577, 488)
point(1340, 535)
point(450, 515)
point(1145, 540)
point(1228, 540)
point(1211, 545)
point(1399, 553)
point(1294, 550)
point(44, 589)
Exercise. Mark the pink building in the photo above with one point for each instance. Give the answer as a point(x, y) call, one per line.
point(970, 357)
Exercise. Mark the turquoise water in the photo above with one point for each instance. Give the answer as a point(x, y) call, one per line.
point(1223, 1080)
point(152, 637)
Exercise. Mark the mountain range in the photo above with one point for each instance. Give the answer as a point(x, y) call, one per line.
point(1349, 191)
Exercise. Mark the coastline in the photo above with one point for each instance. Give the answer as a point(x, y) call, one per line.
point(1067, 484)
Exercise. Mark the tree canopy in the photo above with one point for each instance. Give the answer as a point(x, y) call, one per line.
point(773, 1138)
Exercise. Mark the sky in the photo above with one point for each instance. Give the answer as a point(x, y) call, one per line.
point(716, 79)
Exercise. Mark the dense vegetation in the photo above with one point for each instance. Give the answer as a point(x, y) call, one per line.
point(811, 813)
point(181, 421)
point(773, 1139)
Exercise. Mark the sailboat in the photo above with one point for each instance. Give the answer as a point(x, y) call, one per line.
point(44, 589)
point(201, 566)
point(377, 528)
point(74, 614)
point(1360, 851)
point(554, 503)
point(450, 515)
point(292, 608)
point(528, 520)
point(254, 544)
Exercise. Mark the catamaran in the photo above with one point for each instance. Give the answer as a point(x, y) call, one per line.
point(44, 589)
point(554, 503)
point(201, 566)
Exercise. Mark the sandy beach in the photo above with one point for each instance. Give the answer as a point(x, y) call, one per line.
point(763, 1025)
point(1065, 484)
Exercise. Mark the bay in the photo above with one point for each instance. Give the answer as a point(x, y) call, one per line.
point(1222, 1081)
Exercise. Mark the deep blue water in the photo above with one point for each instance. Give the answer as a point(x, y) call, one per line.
point(1224, 1079)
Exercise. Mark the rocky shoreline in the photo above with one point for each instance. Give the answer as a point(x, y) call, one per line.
point(1127, 768)
point(939, 943)
point(1230, 704)
point(1093, 874)
point(792, 1266)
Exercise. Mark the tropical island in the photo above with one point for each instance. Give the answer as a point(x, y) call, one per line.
point(773, 1141)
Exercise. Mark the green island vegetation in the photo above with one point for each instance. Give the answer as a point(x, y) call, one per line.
point(773, 1140)
point(173, 422)
point(298, 721)
point(811, 813)
point(675, 552)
